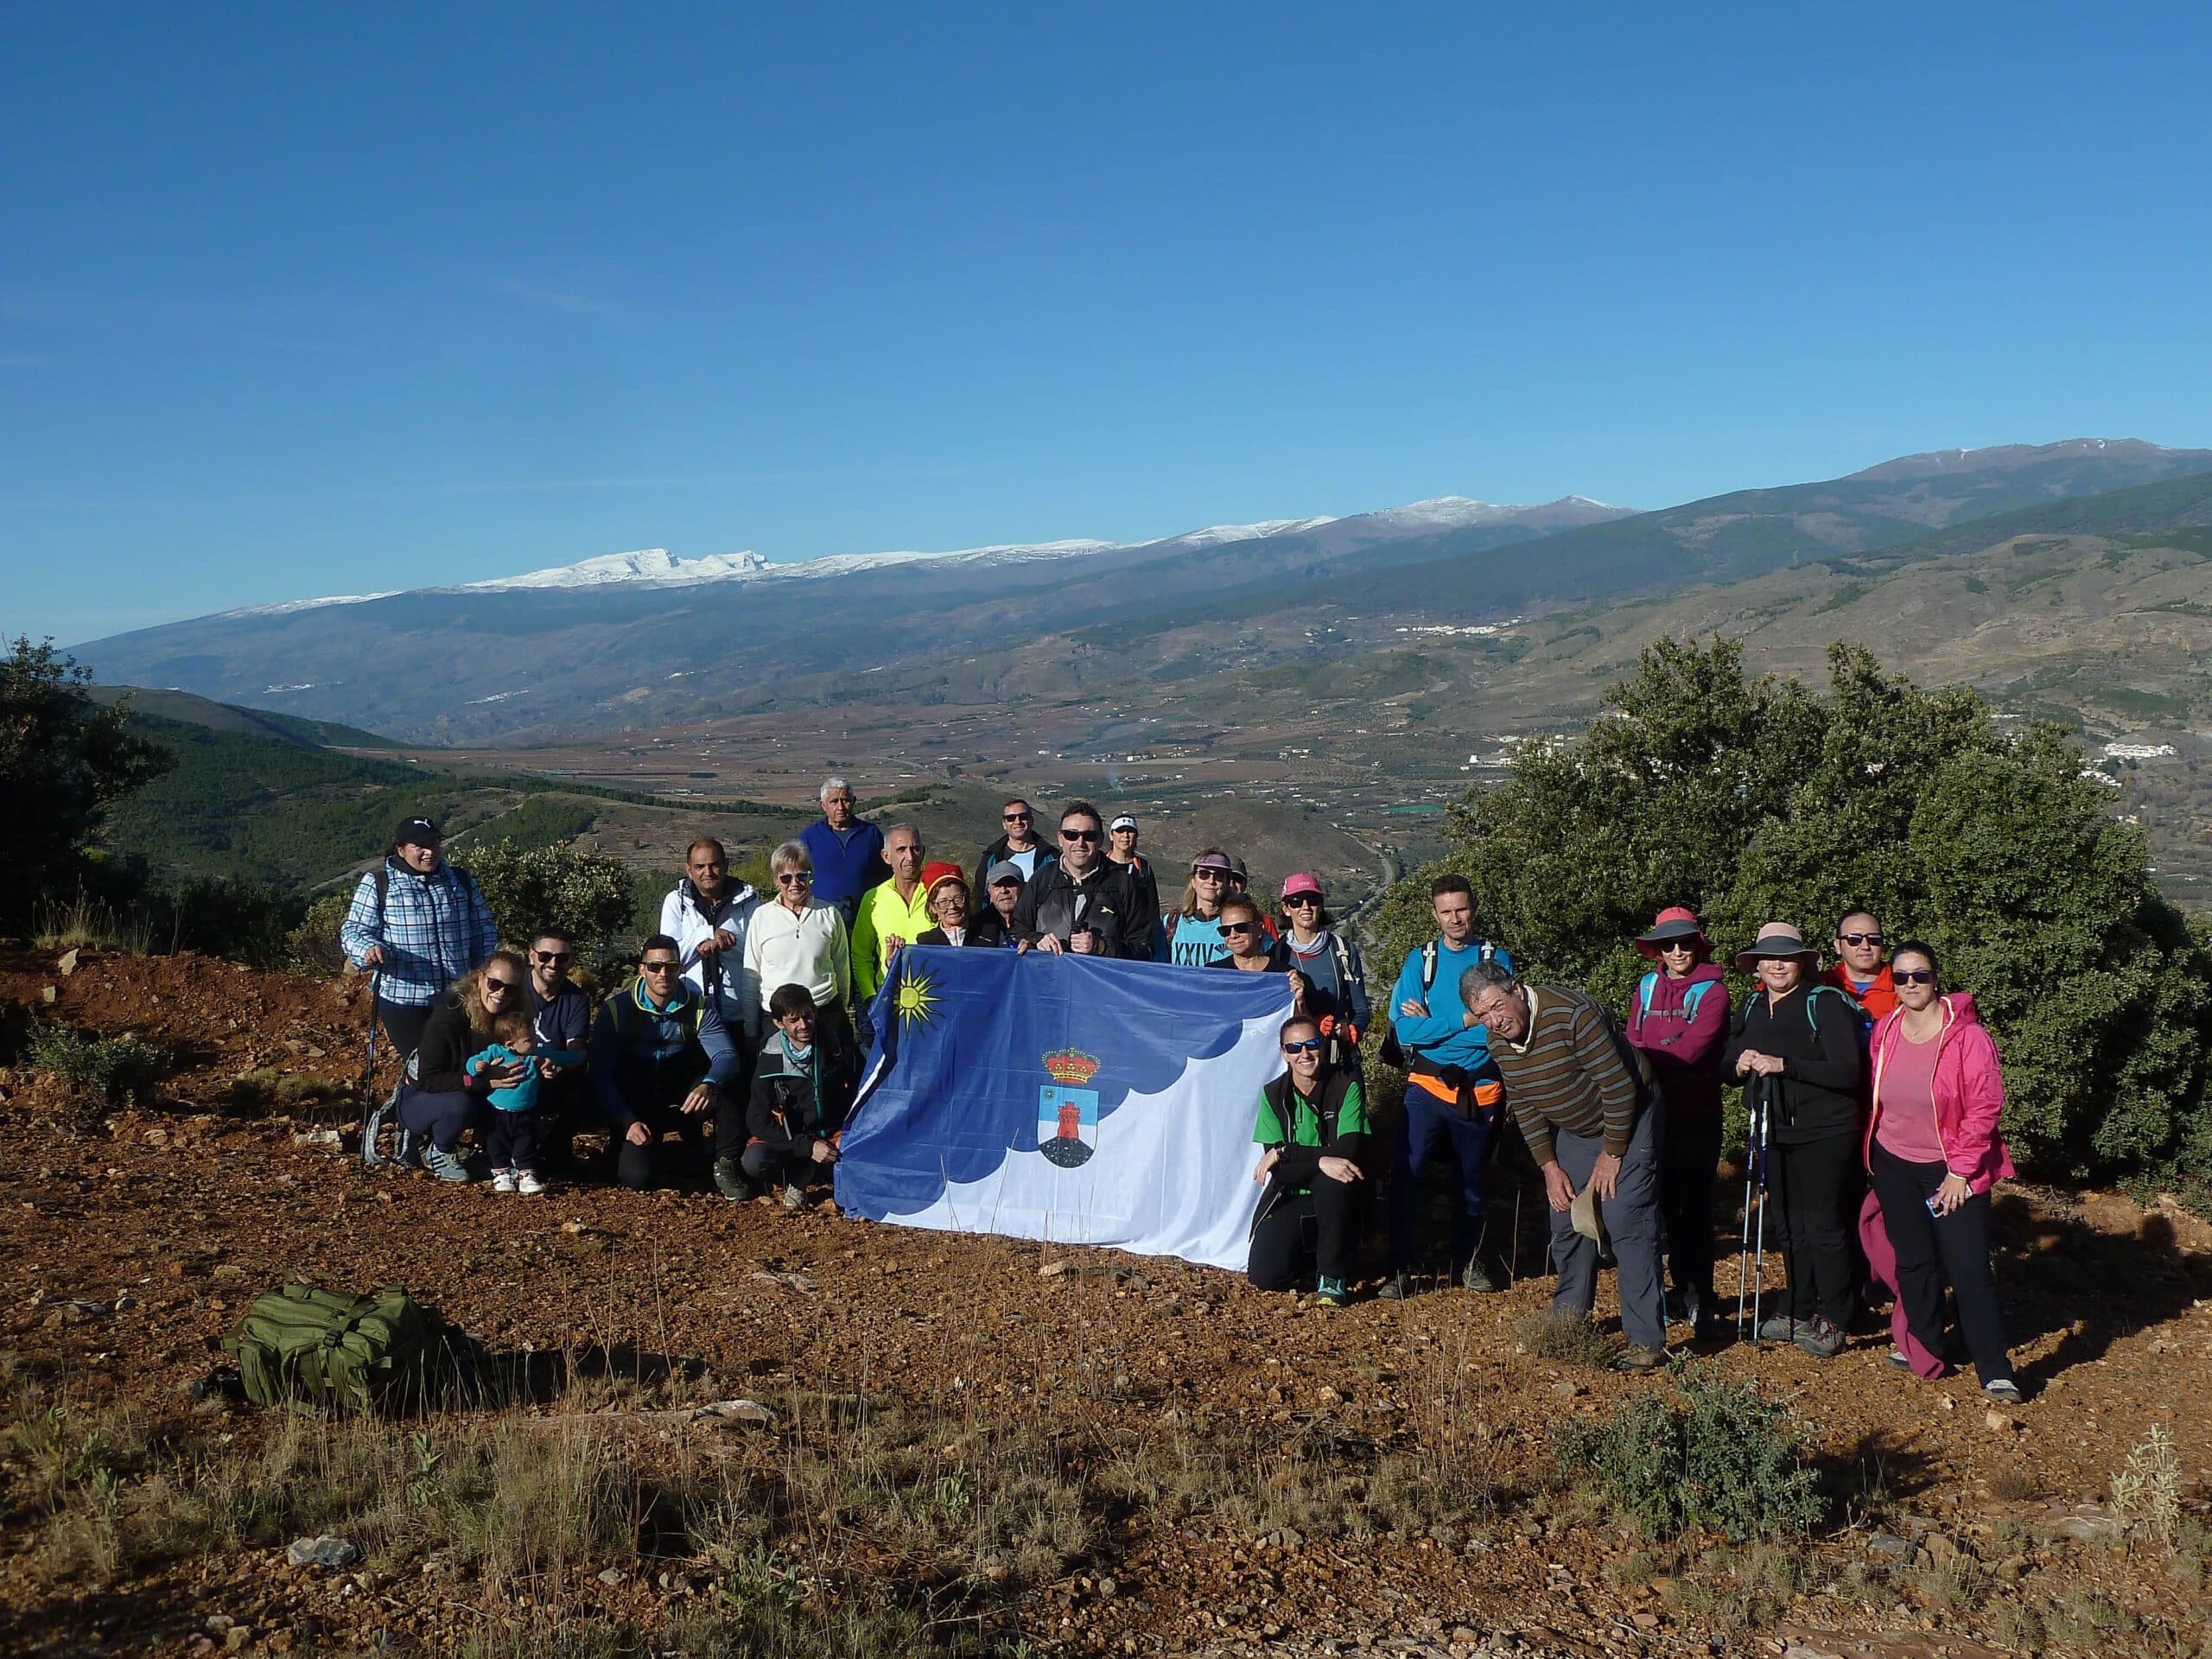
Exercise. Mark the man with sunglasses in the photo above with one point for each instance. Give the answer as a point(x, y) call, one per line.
point(662, 1062)
point(1017, 846)
point(1861, 971)
point(1082, 903)
point(560, 1020)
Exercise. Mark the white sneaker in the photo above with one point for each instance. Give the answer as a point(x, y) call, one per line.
point(503, 1180)
point(528, 1185)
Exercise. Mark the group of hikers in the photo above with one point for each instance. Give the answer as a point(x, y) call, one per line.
point(1873, 1094)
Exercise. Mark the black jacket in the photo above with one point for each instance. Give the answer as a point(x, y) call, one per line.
point(994, 854)
point(447, 1045)
point(1814, 1030)
point(1296, 1166)
point(1104, 901)
point(1144, 881)
point(791, 1109)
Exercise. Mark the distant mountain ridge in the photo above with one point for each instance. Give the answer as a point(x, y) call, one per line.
point(632, 640)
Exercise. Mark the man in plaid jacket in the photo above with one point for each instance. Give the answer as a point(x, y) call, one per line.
point(421, 925)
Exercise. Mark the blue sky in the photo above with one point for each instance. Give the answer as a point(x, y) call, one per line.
point(297, 301)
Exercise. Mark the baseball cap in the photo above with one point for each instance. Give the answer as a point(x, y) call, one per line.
point(1125, 822)
point(1210, 861)
point(416, 832)
point(1301, 883)
point(1005, 870)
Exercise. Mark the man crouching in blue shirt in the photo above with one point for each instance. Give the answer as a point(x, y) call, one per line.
point(1452, 1086)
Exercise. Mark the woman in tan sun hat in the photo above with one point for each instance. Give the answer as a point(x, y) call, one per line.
point(1798, 1041)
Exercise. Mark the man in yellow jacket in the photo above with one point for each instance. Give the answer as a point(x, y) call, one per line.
point(891, 913)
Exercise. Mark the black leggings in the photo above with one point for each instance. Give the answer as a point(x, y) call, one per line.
point(1687, 1160)
point(1301, 1231)
point(403, 1022)
point(1810, 1183)
point(1929, 1250)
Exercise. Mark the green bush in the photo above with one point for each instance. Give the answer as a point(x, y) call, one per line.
point(118, 1070)
point(586, 895)
point(1752, 800)
point(1721, 1455)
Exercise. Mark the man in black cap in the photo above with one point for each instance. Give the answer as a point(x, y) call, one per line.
point(419, 923)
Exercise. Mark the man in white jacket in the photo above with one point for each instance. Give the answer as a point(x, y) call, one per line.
point(708, 914)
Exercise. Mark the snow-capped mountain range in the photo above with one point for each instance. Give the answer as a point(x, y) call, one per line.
point(657, 566)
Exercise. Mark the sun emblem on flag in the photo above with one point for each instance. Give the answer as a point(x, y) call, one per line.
point(915, 999)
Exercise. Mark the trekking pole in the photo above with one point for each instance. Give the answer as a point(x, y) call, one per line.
point(1759, 1249)
point(369, 1066)
point(1754, 1192)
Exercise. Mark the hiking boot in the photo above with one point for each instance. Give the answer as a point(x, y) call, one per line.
point(2004, 1390)
point(1820, 1338)
point(1332, 1292)
point(1778, 1327)
point(1696, 1305)
point(503, 1180)
point(1395, 1288)
point(443, 1164)
point(1897, 1361)
point(528, 1185)
point(1636, 1359)
point(731, 1182)
point(794, 1197)
point(1478, 1278)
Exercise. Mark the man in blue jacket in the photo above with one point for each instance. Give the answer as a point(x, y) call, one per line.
point(848, 853)
point(661, 1062)
point(1452, 1088)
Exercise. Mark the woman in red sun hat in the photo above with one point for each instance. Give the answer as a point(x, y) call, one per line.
point(1679, 1017)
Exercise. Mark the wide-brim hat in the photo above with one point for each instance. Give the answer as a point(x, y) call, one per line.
point(1777, 942)
point(1675, 922)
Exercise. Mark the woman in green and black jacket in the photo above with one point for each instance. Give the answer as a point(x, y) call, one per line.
point(1314, 1123)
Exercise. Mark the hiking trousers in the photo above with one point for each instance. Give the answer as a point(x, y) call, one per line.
point(1688, 1164)
point(1810, 1183)
point(442, 1116)
point(654, 1165)
point(763, 1164)
point(1303, 1232)
point(403, 1022)
point(1428, 1120)
point(1930, 1249)
point(1631, 1221)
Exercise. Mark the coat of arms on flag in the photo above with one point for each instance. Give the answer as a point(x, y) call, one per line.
point(1067, 1115)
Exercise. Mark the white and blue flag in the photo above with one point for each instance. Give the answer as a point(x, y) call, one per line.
point(1074, 1099)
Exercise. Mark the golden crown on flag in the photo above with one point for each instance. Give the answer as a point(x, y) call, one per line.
point(1071, 1065)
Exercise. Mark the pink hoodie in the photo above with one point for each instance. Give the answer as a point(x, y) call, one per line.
point(1969, 1092)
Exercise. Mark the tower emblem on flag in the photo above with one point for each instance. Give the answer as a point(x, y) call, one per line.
point(1067, 1113)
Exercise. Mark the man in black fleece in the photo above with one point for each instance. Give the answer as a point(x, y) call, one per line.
point(1799, 1041)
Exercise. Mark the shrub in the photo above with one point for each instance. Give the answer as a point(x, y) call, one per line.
point(1755, 799)
point(118, 1070)
point(585, 895)
point(1719, 1455)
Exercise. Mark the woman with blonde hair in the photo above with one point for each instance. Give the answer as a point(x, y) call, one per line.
point(442, 1097)
point(1194, 937)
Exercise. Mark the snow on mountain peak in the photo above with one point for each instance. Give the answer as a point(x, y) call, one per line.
point(652, 564)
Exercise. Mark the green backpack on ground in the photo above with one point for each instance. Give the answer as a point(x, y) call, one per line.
point(333, 1349)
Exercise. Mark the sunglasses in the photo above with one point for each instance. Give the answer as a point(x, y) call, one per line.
point(1209, 875)
point(1078, 835)
point(1913, 976)
point(1874, 940)
point(1311, 1045)
point(507, 985)
point(1015, 818)
point(658, 967)
point(551, 958)
point(1304, 901)
point(1678, 948)
point(793, 879)
point(1240, 927)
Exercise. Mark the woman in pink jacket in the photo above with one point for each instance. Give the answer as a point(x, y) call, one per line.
point(1932, 1154)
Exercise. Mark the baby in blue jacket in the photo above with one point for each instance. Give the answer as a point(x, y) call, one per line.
point(515, 1135)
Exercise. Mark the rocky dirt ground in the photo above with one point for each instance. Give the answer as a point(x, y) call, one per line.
point(971, 1443)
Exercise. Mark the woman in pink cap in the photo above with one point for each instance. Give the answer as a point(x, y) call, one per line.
point(1679, 1017)
point(1337, 997)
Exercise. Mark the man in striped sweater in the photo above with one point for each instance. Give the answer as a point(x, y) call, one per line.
point(1583, 1102)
